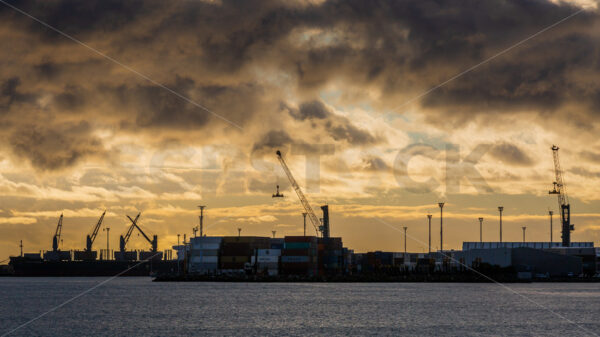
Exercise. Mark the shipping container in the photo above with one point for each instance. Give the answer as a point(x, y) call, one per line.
point(299, 252)
point(264, 259)
point(210, 252)
point(337, 252)
point(204, 259)
point(206, 246)
point(312, 239)
point(331, 243)
point(297, 245)
point(204, 252)
point(235, 259)
point(247, 239)
point(268, 252)
point(294, 259)
point(237, 250)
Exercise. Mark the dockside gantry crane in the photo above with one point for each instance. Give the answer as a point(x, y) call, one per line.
point(320, 229)
point(153, 243)
point(56, 237)
point(563, 200)
point(90, 238)
point(125, 239)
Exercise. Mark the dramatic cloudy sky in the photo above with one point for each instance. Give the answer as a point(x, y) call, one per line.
point(159, 106)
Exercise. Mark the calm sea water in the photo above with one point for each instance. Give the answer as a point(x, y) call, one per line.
point(138, 307)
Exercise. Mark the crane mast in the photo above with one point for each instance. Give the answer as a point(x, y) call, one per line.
point(311, 214)
point(563, 200)
point(92, 237)
point(56, 237)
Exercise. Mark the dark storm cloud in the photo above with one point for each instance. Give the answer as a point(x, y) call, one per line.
point(590, 156)
point(155, 107)
point(55, 147)
point(241, 59)
point(10, 93)
point(337, 126)
point(510, 154)
point(375, 164)
point(350, 133)
point(78, 17)
point(272, 140)
point(71, 98)
point(312, 109)
point(581, 171)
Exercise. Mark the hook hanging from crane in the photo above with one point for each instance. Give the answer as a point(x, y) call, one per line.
point(277, 194)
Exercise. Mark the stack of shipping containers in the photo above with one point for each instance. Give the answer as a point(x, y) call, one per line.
point(300, 256)
point(373, 262)
point(237, 251)
point(204, 254)
point(399, 260)
point(276, 243)
point(347, 263)
point(330, 256)
point(266, 261)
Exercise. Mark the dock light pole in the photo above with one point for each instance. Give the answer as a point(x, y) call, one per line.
point(429, 216)
point(405, 228)
point(107, 229)
point(21, 245)
point(441, 204)
point(500, 209)
point(550, 213)
point(304, 215)
point(202, 207)
point(524, 228)
point(239, 232)
point(178, 239)
point(480, 230)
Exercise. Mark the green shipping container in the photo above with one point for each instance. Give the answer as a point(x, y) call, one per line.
point(296, 245)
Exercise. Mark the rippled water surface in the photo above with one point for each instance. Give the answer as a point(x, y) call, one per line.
point(137, 307)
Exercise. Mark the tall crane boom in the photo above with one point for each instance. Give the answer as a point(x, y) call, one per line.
point(92, 237)
point(56, 237)
point(152, 242)
point(311, 214)
point(563, 200)
point(125, 238)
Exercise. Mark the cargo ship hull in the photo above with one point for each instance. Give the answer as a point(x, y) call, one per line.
point(25, 267)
